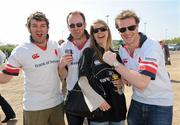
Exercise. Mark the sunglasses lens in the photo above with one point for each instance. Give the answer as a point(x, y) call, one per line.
point(79, 24)
point(95, 30)
point(131, 28)
point(76, 25)
point(72, 25)
point(102, 29)
point(122, 30)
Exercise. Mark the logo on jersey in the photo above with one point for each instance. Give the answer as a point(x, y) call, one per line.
point(150, 59)
point(125, 61)
point(97, 62)
point(35, 56)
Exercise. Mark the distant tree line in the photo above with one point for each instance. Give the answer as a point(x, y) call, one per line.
point(173, 41)
point(7, 48)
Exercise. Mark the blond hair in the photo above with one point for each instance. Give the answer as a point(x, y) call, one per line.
point(126, 14)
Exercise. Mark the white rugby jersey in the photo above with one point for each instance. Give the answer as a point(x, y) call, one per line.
point(148, 59)
point(72, 76)
point(40, 68)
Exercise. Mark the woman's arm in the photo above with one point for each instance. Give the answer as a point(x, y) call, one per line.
point(93, 99)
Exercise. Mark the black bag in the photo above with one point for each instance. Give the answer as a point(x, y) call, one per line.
point(75, 104)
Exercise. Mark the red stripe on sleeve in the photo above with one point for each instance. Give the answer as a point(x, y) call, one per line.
point(11, 69)
point(148, 68)
point(152, 63)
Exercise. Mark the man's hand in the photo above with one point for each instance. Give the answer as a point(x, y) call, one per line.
point(66, 60)
point(109, 57)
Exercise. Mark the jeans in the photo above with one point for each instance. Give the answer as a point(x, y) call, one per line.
point(145, 114)
point(7, 109)
point(108, 123)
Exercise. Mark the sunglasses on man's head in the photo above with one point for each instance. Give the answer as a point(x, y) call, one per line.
point(130, 28)
point(101, 29)
point(72, 25)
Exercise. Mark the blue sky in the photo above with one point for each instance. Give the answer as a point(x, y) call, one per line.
point(160, 19)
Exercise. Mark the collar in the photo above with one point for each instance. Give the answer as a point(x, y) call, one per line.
point(43, 48)
point(143, 38)
point(81, 46)
point(70, 38)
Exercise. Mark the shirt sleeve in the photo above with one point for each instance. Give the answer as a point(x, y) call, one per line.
point(13, 65)
point(148, 61)
point(92, 98)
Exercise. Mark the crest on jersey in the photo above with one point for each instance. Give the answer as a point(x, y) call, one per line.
point(125, 61)
point(35, 56)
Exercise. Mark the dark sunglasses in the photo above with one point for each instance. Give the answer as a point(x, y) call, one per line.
point(101, 29)
point(130, 28)
point(72, 25)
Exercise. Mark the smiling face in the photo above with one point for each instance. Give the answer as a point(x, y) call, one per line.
point(38, 30)
point(100, 33)
point(128, 30)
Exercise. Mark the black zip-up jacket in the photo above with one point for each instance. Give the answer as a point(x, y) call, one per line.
point(99, 77)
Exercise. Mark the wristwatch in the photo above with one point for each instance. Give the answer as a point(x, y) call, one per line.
point(116, 63)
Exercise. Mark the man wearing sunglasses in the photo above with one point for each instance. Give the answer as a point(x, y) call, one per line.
point(152, 99)
point(71, 51)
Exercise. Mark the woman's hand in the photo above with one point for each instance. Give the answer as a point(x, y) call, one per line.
point(104, 106)
point(118, 84)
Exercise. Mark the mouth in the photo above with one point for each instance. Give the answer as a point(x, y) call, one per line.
point(39, 35)
point(101, 36)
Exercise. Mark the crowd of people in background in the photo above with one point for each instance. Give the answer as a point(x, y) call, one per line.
point(52, 69)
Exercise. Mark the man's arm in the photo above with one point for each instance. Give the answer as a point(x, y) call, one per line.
point(62, 72)
point(4, 78)
point(136, 79)
point(64, 62)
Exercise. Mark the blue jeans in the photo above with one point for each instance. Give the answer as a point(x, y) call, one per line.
point(144, 114)
point(108, 123)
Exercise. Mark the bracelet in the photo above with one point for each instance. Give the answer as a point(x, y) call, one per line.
point(116, 63)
